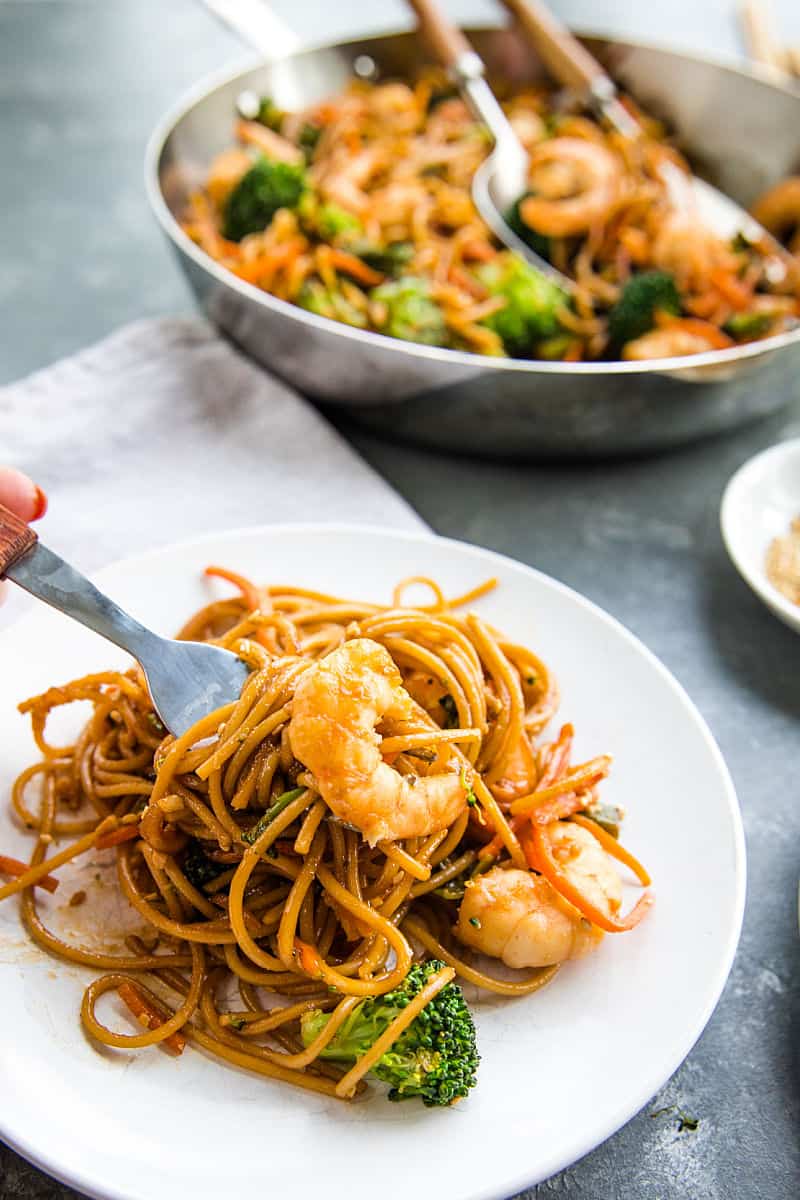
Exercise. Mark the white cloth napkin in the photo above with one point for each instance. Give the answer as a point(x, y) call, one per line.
point(163, 431)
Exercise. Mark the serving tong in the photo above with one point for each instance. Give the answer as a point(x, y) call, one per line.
point(502, 178)
point(186, 680)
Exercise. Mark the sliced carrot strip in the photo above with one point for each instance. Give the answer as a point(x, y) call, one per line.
point(478, 251)
point(538, 851)
point(735, 292)
point(250, 593)
point(350, 264)
point(148, 1015)
point(583, 777)
point(126, 834)
point(15, 868)
point(612, 847)
point(309, 959)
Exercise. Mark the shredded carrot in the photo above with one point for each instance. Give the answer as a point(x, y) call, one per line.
point(462, 279)
point(702, 305)
point(350, 264)
point(579, 780)
point(574, 352)
point(612, 847)
point(557, 764)
point(250, 593)
point(126, 834)
point(148, 1015)
point(266, 264)
point(309, 959)
point(478, 251)
point(738, 295)
point(15, 868)
point(538, 851)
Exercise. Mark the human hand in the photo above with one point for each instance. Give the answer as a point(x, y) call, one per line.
point(21, 495)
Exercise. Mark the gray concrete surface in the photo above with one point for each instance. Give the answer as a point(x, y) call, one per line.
point(81, 83)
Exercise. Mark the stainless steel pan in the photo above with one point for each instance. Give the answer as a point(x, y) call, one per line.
point(742, 131)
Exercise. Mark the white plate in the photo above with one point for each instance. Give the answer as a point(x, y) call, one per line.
point(561, 1070)
point(759, 504)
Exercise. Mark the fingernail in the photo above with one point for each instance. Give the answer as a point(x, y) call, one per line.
point(41, 505)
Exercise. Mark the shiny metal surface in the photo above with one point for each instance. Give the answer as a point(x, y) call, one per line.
point(187, 680)
point(501, 407)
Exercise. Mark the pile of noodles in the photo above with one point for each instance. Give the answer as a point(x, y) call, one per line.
point(401, 159)
point(259, 904)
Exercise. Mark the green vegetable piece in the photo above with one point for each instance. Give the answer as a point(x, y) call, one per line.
point(308, 138)
point(532, 302)
point(608, 816)
point(326, 221)
point(265, 188)
point(198, 868)
point(389, 260)
point(553, 349)
point(435, 1059)
point(642, 297)
point(411, 314)
point(269, 114)
point(744, 326)
point(537, 241)
point(316, 298)
point(252, 835)
point(448, 704)
point(439, 95)
point(452, 890)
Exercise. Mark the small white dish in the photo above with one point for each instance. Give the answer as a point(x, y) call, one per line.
point(561, 1070)
point(759, 504)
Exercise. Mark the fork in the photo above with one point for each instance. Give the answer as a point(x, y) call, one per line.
point(187, 680)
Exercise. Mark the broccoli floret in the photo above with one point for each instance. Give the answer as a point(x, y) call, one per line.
point(316, 298)
point(435, 1058)
point(410, 313)
point(532, 301)
point(327, 221)
point(642, 297)
point(538, 243)
point(258, 195)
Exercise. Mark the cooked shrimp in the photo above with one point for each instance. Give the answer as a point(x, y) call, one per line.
point(519, 917)
point(344, 180)
point(672, 343)
point(778, 210)
point(337, 705)
point(252, 133)
point(684, 246)
point(519, 774)
point(575, 183)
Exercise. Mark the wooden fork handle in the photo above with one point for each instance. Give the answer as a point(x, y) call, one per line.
point(562, 54)
point(16, 539)
point(447, 42)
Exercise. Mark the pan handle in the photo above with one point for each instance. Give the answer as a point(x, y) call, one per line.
point(256, 23)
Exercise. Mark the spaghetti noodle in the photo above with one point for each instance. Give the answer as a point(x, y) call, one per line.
point(294, 854)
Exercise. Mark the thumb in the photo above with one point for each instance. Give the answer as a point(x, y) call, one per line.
point(21, 495)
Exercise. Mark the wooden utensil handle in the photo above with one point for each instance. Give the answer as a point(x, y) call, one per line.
point(562, 54)
point(16, 538)
point(445, 40)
